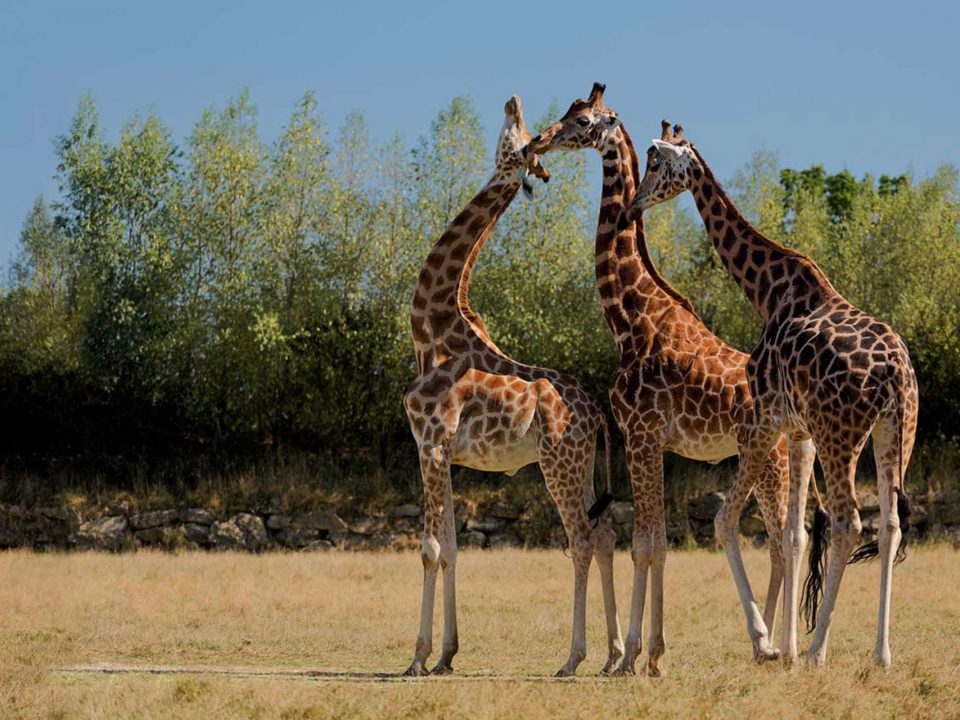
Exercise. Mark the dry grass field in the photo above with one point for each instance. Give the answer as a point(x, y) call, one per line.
point(320, 635)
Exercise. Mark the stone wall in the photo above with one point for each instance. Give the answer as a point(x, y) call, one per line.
point(491, 524)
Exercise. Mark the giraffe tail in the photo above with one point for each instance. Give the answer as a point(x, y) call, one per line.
point(603, 502)
point(812, 592)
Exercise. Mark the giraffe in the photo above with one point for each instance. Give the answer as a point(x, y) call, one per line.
point(472, 405)
point(823, 370)
point(679, 388)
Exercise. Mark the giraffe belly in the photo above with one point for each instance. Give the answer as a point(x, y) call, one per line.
point(507, 456)
point(713, 448)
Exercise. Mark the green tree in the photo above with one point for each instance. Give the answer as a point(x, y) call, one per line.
point(38, 331)
point(219, 218)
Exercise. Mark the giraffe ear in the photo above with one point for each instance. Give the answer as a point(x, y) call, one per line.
point(611, 121)
point(669, 151)
point(527, 189)
point(526, 186)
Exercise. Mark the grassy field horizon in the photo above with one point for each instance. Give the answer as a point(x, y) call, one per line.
point(323, 635)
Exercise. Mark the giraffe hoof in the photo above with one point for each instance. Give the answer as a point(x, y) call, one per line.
point(766, 653)
point(442, 669)
point(611, 665)
point(416, 669)
point(654, 671)
point(625, 669)
point(565, 672)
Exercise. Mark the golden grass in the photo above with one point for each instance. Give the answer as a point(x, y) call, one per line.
point(358, 613)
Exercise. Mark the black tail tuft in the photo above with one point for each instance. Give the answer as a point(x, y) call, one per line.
point(813, 586)
point(867, 551)
point(870, 550)
point(602, 503)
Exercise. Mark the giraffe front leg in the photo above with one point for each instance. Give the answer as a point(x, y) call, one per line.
point(771, 603)
point(645, 462)
point(435, 469)
point(772, 495)
point(726, 529)
point(448, 561)
point(756, 441)
point(839, 469)
point(633, 645)
point(658, 562)
point(802, 454)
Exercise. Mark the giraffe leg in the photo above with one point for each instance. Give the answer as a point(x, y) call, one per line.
point(756, 443)
point(839, 469)
point(888, 541)
point(435, 469)
point(568, 494)
point(581, 549)
point(448, 561)
point(772, 601)
point(605, 543)
point(772, 493)
point(802, 455)
point(633, 645)
point(656, 644)
point(886, 451)
point(645, 461)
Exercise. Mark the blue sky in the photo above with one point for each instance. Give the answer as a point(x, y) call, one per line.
point(867, 86)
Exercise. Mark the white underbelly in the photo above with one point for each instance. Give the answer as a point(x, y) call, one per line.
point(706, 449)
point(508, 456)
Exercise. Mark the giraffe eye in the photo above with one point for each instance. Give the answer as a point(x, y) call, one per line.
point(583, 121)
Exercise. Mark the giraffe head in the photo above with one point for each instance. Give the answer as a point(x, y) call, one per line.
point(588, 123)
point(672, 165)
point(511, 160)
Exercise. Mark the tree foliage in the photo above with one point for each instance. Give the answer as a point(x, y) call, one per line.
point(232, 295)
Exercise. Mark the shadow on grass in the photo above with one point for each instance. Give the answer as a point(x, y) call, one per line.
point(290, 673)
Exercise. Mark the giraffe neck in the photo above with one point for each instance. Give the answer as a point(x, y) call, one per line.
point(632, 291)
point(463, 291)
point(772, 277)
point(440, 299)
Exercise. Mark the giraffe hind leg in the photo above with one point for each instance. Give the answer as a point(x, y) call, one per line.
point(605, 543)
point(894, 511)
point(573, 512)
point(839, 468)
